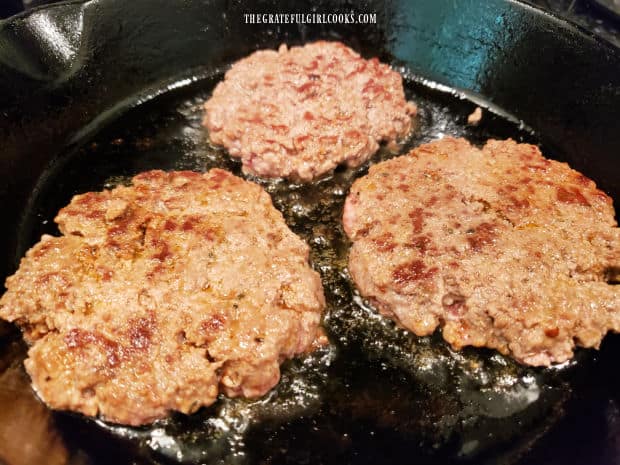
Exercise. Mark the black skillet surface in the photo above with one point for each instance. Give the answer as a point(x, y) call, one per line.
point(69, 76)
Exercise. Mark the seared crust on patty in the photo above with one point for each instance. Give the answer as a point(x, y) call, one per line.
point(298, 113)
point(499, 246)
point(160, 295)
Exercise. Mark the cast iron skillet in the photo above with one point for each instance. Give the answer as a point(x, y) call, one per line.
point(92, 93)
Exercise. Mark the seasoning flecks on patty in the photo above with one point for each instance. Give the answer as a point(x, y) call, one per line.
point(298, 113)
point(160, 295)
point(499, 246)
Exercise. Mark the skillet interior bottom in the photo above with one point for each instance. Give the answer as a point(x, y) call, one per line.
point(377, 394)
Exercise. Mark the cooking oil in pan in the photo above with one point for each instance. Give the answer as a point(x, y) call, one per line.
point(376, 394)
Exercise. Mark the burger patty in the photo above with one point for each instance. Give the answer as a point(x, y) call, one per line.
point(160, 295)
point(298, 113)
point(499, 246)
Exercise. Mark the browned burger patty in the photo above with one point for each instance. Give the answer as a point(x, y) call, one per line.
point(499, 246)
point(299, 112)
point(161, 294)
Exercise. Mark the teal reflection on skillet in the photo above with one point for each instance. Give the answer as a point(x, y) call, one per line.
point(377, 394)
point(465, 54)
